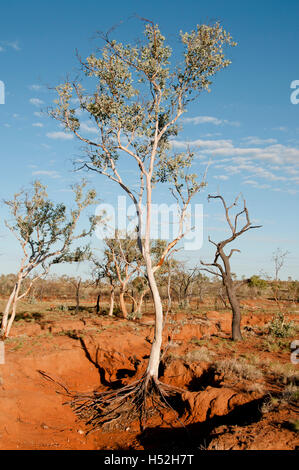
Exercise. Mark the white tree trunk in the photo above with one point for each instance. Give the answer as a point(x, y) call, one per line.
point(154, 360)
point(7, 310)
point(111, 303)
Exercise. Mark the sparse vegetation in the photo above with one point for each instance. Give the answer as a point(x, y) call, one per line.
point(136, 336)
point(279, 327)
point(238, 368)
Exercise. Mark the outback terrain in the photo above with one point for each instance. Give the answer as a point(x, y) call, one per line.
point(235, 396)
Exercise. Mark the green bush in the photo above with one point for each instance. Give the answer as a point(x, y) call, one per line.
point(280, 328)
point(63, 307)
point(256, 281)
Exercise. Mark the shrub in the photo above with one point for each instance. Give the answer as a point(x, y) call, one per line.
point(290, 393)
point(63, 307)
point(239, 368)
point(280, 328)
point(199, 355)
point(256, 281)
point(294, 425)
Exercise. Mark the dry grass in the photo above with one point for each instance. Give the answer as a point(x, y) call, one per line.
point(283, 373)
point(199, 355)
point(237, 367)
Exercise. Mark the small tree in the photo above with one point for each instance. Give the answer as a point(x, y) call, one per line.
point(278, 257)
point(224, 269)
point(103, 269)
point(183, 282)
point(126, 260)
point(257, 284)
point(46, 233)
point(77, 283)
point(135, 106)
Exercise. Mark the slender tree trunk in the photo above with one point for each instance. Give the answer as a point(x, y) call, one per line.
point(122, 303)
point(154, 360)
point(111, 302)
point(7, 310)
point(133, 306)
point(13, 314)
point(14, 307)
point(98, 303)
point(77, 300)
point(236, 321)
point(140, 301)
point(12, 301)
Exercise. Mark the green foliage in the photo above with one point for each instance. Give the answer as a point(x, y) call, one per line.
point(256, 281)
point(280, 328)
point(32, 300)
point(45, 230)
point(63, 308)
point(293, 288)
point(140, 94)
point(294, 425)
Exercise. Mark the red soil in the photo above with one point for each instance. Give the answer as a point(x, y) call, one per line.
point(220, 413)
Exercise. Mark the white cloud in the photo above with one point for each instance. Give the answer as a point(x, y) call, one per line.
point(206, 144)
point(59, 135)
point(276, 153)
point(88, 127)
point(37, 124)
point(14, 45)
point(258, 141)
point(35, 87)
point(51, 174)
point(9, 44)
point(268, 163)
point(38, 114)
point(209, 120)
point(221, 177)
point(36, 101)
point(257, 185)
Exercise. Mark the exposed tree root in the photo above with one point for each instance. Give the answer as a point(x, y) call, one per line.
point(117, 408)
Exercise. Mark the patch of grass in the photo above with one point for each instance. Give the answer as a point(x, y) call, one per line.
point(63, 307)
point(237, 367)
point(74, 334)
point(283, 373)
point(28, 316)
point(275, 345)
point(270, 404)
point(17, 342)
point(294, 425)
point(255, 387)
point(290, 393)
point(199, 355)
point(196, 341)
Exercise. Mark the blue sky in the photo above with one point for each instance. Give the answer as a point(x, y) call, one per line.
point(247, 126)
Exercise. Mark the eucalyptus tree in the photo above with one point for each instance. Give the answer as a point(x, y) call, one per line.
point(183, 282)
point(46, 233)
point(222, 260)
point(126, 260)
point(103, 269)
point(139, 92)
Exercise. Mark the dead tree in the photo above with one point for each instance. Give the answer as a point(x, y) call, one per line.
point(222, 260)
